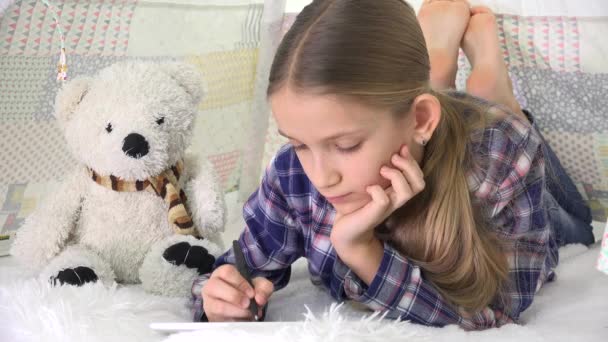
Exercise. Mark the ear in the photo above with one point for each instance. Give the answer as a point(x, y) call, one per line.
point(427, 113)
point(70, 96)
point(188, 77)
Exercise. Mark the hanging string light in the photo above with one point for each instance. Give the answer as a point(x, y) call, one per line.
point(62, 65)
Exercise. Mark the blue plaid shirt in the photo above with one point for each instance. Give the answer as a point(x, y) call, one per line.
point(287, 218)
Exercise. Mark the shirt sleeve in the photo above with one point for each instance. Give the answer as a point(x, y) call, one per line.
point(399, 288)
point(400, 291)
point(198, 314)
point(271, 241)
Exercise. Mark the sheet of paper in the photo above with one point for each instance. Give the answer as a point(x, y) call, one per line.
point(252, 327)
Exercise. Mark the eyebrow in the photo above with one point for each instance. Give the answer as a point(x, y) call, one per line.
point(331, 137)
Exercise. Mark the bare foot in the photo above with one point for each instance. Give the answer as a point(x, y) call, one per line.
point(489, 78)
point(443, 24)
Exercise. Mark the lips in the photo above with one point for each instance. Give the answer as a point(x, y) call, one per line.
point(337, 199)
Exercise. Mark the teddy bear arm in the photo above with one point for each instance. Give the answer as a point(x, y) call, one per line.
point(45, 232)
point(205, 197)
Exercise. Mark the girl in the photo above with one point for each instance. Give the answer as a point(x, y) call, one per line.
point(431, 206)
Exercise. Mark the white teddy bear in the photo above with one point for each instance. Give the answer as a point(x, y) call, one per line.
point(122, 215)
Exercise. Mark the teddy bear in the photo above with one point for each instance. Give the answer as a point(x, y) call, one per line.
point(137, 208)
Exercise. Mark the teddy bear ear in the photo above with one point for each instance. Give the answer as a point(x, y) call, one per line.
point(69, 97)
point(188, 77)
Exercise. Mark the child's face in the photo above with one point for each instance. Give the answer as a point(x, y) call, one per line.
point(340, 143)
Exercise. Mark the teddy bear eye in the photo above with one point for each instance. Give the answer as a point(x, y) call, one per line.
point(109, 128)
point(161, 120)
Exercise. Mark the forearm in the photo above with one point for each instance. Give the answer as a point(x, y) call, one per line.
point(362, 258)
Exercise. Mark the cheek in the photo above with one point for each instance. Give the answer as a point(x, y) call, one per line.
point(376, 178)
point(366, 172)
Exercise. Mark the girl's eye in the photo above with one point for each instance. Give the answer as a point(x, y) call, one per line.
point(349, 149)
point(160, 121)
point(109, 128)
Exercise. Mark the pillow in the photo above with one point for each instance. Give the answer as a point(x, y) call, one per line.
point(570, 109)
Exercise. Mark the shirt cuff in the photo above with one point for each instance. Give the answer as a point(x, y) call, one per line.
point(394, 276)
point(198, 315)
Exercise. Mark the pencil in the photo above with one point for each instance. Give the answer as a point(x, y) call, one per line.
point(241, 266)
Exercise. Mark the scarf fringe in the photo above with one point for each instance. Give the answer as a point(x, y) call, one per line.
point(166, 186)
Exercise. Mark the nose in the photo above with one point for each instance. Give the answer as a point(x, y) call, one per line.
point(135, 146)
point(324, 173)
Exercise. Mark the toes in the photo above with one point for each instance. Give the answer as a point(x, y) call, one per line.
point(86, 274)
point(482, 21)
point(200, 259)
point(481, 10)
point(74, 276)
point(176, 254)
point(192, 256)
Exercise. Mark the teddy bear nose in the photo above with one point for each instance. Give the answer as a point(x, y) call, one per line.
point(135, 146)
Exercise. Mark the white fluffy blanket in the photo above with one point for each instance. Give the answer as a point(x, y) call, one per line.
point(574, 308)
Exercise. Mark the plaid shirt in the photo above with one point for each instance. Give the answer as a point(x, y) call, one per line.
point(287, 218)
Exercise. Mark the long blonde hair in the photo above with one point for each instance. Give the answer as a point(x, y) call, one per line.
point(376, 53)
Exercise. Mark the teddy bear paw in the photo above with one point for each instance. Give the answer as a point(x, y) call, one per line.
point(74, 276)
point(192, 256)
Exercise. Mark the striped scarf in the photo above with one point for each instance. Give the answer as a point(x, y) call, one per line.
point(164, 185)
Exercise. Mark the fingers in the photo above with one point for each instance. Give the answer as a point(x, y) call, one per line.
point(407, 179)
point(380, 199)
point(410, 168)
point(221, 290)
point(225, 297)
point(400, 191)
point(219, 311)
point(263, 290)
point(378, 208)
point(231, 275)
